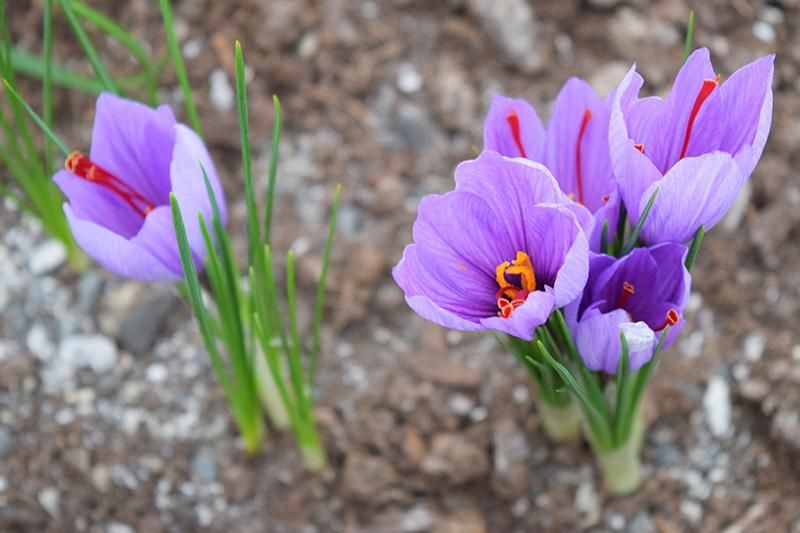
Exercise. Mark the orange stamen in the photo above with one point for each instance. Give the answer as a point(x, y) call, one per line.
point(672, 318)
point(625, 295)
point(83, 167)
point(587, 115)
point(513, 122)
point(705, 91)
point(509, 296)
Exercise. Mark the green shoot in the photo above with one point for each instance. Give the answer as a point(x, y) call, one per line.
point(91, 52)
point(687, 47)
point(695, 247)
point(180, 66)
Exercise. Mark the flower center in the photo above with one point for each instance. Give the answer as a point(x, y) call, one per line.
point(587, 116)
point(513, 122)
point(85, 168)
point(705, 91)
point(513, 292)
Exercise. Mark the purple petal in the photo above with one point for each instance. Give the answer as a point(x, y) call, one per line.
point(747, 100)
point(432, 300)
point(675, 282)
point(664, 146)
point(498, 133)
point(189, 158)
point(597, 340)
point(127, 258)
point(696, 191)
point(134, 143)
point(97, 204)
point(564, 140)
point(633, 170)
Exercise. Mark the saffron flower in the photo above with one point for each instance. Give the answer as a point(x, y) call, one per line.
point(638, 295)
point(501, 251)
point(574, 146)
point(118, 196)
point(697, 147)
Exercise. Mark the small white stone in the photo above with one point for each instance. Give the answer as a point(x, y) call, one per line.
point(773, 15)
point(587, 503)
point(97, 352)
point(3, 484)
point(409, 79)
point(692, 511)
point(717, 406)
point(47, 257)
point(479, 414)
point(615, 521)
point(754, 345)
point(461, 404)
point(521, 394)
point(796, 352)
point(764, 31)
point(221, 92)
point(156, 373)
point(119, 527)
point(192, 48)
point(49, 498)
point(38, 342)
point(309, 45)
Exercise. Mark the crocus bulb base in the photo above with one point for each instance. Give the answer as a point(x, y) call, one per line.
point(561, 422)
point(621, 468)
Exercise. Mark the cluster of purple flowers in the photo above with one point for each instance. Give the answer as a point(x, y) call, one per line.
point(522, 233)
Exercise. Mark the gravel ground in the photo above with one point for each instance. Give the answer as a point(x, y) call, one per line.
point(111, 420)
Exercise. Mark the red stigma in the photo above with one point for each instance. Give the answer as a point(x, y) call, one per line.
point(513, 122)
point(587, 115)
point(639, 147)
point(625, 295)
point(85, 168)
point(705, 91)
point(672, 318)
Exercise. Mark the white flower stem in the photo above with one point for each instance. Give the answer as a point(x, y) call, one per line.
point(268, 393)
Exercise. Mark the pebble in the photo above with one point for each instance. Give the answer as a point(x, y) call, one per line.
point(156, 373)
point(409, 80)
point(365, 476)
point(754, 345)
point(308, 46)
point(3, 484)
point(140, 327)
point(511, 24)
point(418, 519)
point(615, 521)
point(717, 406)
point(220, 90)
point(460, 404)
point(764, 31)
point(97, 352)
point(587, 503)
point(204, 465)
point(455, 459)
point(50, 498)
point(46, 257)
point(38, 342)
point(6, 442)
point(119, 527)
point(692, 511)
point(511, 451)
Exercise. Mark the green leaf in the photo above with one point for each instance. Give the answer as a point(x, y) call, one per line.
point(604, 238)
point(695, 247)
point(36, 118)
point(634, 236)
point(91, 52)
point(273, 168)
point(687, 47)
point(180, 66)
point(47, 80)
point(319, 304)
point(253, 231)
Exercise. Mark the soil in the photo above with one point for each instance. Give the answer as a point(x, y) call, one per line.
point(111, 420)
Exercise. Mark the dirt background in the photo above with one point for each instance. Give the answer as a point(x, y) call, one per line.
point(110, 418)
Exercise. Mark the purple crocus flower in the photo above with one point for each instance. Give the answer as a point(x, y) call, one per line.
point(118, 196)
point(639, 295)
point(574, 147)
point(500, 252)
point(697, 147)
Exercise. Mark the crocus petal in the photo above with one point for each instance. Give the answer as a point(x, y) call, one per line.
point(97, 204)
point(580, 124)
point(747, 100)
point(121, 256)
point(641, 341)
point(597, 340)
point(607, 214)
point(134, 143)
point(675, 281)
point(430, 299)
point(498, 134)
point(633, 170)
point(189, 158)
point(527, 317)
point(696, 191)
point(666, 141)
